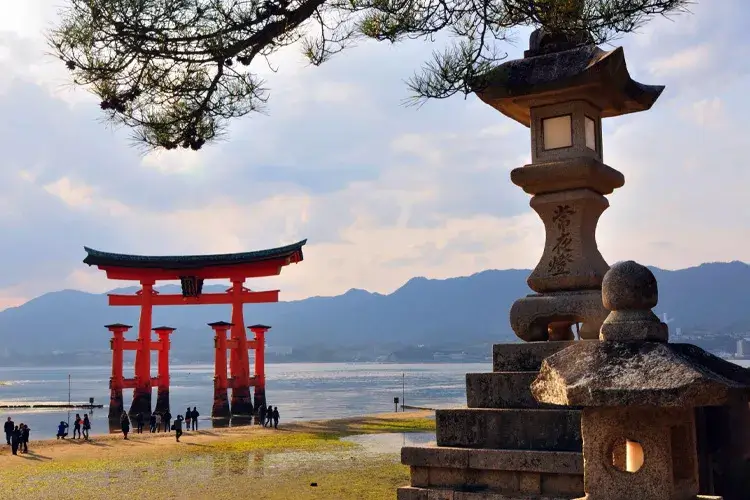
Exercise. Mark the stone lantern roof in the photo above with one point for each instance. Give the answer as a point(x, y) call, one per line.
point(658, 374)
point(582, 73)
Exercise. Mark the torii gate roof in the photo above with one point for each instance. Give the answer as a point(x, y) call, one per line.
point(292, 252)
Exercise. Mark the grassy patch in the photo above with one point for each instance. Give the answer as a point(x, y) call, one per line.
point(280, 441)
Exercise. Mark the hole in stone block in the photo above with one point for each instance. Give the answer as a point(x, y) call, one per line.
point(626, 455)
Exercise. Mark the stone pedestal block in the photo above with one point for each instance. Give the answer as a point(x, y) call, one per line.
point(524, 356)
point(531, 316)
point(501, 390)
point(551, 430)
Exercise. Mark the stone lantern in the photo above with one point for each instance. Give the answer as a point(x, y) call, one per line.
point(638, 394)
point(562, 90)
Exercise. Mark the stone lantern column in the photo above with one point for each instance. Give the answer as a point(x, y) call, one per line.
point(562, 94)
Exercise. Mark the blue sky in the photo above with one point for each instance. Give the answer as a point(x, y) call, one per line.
point(383, 192)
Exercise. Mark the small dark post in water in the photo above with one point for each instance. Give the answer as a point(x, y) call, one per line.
point(403, 391)
point(395, 402)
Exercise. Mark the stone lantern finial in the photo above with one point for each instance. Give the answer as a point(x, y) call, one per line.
point(629, 291)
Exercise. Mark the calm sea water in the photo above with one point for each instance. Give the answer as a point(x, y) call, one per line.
point(302, 391)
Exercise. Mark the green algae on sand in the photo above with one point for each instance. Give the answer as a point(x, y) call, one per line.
point(274, 464)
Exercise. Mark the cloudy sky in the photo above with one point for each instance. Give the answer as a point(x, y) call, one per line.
point(383, 192)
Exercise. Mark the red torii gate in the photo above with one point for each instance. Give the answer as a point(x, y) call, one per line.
point(191, 270)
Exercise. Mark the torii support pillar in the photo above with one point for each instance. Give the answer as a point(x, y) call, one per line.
point(220, 407)
point(162, 392)
point(242, 404)
point(117, 380)
point(142, 391)
point(259, 344)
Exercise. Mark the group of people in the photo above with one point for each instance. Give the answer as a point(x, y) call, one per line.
point(17, 436)
point(81, 428)
point(157, 420)
point(268, 416)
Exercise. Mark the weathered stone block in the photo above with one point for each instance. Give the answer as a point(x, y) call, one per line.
point(476, 495)
point(558, 462)
point(410, 493)
point(420, 476)
point(524, 356)
point(568, 485)
point(552, 430)
point(530, 483)
point(433, 494)
point(431, 456)
point(446, 477)
point(501, 390)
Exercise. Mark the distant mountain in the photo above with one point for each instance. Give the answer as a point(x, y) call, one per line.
point(471, 309)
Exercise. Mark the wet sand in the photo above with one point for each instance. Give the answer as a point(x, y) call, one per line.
point(240, 462)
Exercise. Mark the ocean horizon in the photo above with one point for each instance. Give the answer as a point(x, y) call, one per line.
point(301, 391)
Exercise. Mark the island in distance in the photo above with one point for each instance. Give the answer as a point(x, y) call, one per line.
point(425, 320)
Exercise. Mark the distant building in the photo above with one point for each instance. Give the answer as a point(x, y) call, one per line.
point(742, 348)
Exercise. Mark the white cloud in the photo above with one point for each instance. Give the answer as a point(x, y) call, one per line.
point(383, 192)
point(686, 61)
point(706, 112)
point(73, 194)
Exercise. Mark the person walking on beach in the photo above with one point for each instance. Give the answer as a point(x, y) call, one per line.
point(86, 426)
point(262, 414)
point(77, 426)
point(188, 414)
point(25, 431)
point(125, 424)
point(139, 423)
point(194, 416)
point(15, 438)
point(152, 423)
point(178, 427)
point(167, 419)
point(8, 427)
point(275, 416)
point(269, 416)
point(62, 430)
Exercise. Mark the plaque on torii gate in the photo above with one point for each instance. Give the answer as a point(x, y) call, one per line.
point(191, 271)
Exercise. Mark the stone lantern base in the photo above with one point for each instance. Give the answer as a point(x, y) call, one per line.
point(505, 445)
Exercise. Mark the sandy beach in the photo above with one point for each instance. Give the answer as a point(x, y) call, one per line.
point(241, 462)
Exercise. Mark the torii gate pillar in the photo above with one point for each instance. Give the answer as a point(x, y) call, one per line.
point(259, 380)
point(162, 380)
point(220, 407)
point(142, 391)
point(117, 380)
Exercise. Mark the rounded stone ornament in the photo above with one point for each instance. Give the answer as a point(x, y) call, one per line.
point(629, 286)
point(629, 291)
